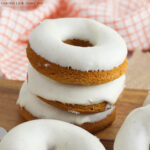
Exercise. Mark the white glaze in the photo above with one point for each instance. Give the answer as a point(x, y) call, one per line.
point(43, 110)
point(45, 134)
point(74, 94)
point(135, 131)
point(109, 48)
point(3, 132)
point(147, 100)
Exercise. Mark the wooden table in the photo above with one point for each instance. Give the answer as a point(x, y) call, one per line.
point(10, 117)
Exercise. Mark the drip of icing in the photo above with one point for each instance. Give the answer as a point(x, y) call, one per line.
point(74, 94)
point(43, 110)
point(109, 49)
point(45, 134)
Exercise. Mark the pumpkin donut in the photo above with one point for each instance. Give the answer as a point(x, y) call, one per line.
point(31, 107)
point(134, 133)
point(77, 51)
point(78, 98)
point(48, 134)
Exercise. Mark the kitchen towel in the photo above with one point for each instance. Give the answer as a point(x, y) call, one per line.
point(130, 18)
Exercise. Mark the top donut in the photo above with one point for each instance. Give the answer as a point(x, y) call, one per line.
point(77, 51)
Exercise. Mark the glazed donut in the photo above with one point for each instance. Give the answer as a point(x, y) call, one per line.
point(83, 99)
point(147, 100)
point(135, 131)
point(45, 134)
point(77, 51)
point(31, 107)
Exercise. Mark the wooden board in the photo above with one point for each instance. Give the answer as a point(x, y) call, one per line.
point(10, 117)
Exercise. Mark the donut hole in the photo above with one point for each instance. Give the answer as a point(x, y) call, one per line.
point(78, 42)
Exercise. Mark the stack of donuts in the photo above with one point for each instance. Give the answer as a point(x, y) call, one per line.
point(76, 73)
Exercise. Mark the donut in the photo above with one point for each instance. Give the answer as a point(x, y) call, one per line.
point(31, 107)
point(91, 127)
point(147, 100)
point(46, 134)
point(77, 51)
point(135, 131)
point(83, 99)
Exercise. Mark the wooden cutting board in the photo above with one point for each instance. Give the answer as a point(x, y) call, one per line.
point(10, 117)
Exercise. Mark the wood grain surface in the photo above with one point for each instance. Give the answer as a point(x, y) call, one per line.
point(10, 117)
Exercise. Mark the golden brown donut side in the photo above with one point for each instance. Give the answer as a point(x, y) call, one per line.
point(78, 108)
point(71, 76)
point(91, 127)
point(100, 125)
point(87, 109)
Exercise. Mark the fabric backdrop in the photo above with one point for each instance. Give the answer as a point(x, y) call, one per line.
point(130, 18)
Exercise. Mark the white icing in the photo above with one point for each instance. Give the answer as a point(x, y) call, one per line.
point(74, 94)
point(109, 48)
point(2, 132)
point(147, 100)
point(135, 131)
point(45, 134)
point(43, 110)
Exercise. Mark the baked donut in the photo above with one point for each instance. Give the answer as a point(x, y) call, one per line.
point(46, 134)
point(147, 100)
point(31, 107)
point(83, 99)
point(77, 51)
point(135, 131)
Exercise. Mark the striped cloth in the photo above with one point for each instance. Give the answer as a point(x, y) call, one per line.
point(130, 18)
